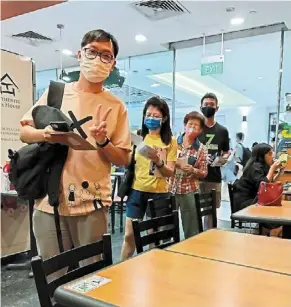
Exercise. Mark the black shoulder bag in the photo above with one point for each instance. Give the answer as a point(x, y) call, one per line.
point(126, 185)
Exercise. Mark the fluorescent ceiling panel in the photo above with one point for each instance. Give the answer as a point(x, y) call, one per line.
point(196, 85)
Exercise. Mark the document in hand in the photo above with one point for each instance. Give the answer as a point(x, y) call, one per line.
point(136, 139)
point(144, 149)
point(72, 139)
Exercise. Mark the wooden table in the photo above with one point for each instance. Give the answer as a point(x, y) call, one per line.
point(165, 279)
point(268, 214)
point(265, 253)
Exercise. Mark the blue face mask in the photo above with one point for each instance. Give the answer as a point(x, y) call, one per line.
point(153, 123)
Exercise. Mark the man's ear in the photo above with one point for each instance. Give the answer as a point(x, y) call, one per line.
point(217, 108)
point(79, 55)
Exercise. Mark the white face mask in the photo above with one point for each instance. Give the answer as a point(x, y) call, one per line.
point(94, 71)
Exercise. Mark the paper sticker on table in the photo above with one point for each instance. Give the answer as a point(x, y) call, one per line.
point(88, 284)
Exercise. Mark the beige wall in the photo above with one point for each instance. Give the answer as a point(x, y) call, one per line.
point(16, 99)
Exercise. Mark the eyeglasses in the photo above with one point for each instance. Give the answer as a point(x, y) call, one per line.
point(105, 57)
point(153, 116)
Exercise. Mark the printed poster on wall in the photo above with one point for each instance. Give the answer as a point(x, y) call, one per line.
point(16, 98)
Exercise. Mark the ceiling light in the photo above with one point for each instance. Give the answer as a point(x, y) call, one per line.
point(155, 85)
point(237, 21)
point(227, 50)
point(140, 38)
point(67, 52)
point(260, 77)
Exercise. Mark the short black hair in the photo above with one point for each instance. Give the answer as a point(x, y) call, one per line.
point(211, 96)
point(100, 35)
point(240, 136)
point(195, 115)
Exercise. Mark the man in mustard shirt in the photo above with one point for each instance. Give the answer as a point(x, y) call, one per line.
point(85, 182)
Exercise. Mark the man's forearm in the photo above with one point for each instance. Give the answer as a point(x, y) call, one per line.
point(31, 135)
point(115, 155)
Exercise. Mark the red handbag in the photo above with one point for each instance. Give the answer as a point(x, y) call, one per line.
point(270, 194)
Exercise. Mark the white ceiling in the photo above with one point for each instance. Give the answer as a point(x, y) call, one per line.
point(124, 22)
point(239, 85)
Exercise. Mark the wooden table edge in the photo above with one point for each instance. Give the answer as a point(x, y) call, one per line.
point(230, 262)
point(259, 219)
point(168, 249)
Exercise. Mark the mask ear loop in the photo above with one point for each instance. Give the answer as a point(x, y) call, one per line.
point(164, 119)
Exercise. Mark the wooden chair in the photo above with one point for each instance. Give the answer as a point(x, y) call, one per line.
point(117, 204)
point(163, 206)
point(169, 225)
point(206, 205)
point(41, 269)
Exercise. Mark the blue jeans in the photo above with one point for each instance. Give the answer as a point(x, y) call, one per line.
point(137, 204)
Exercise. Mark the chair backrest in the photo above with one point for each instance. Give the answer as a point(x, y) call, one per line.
point(206, 205)
point(230, 192)
point(164, 228)
point(42, 269)
point(160, 207)
point(114, 182)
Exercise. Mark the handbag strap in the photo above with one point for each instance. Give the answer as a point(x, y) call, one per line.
point(132, 162)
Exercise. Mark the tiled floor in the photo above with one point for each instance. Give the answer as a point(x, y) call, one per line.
point(17, 290)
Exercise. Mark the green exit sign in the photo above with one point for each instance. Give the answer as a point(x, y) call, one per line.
point(212, 65)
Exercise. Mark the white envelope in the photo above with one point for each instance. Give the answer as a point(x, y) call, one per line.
point(136, 139)
point(144, 149)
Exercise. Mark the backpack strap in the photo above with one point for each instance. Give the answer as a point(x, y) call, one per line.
point(55, 99)
point(55, 94)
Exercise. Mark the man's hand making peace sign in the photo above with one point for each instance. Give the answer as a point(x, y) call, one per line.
point(99, 128)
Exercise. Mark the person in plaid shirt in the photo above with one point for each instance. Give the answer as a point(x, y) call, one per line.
point(191, 166)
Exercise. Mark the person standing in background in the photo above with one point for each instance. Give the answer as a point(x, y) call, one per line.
point(191, 166)
point(152, 170)
point(86, 174)
point(216, 139)
point(239, 149)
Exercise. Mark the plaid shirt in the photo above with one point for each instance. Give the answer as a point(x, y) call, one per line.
point(196, 154)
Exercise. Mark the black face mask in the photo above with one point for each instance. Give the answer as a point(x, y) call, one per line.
point(208, 111)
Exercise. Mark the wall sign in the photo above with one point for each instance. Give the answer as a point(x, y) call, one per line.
point(16, 98)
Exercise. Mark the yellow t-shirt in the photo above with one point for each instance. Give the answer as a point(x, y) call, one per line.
point(145, 180)
point(86, 174)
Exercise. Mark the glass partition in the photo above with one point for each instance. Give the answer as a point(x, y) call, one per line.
point(145, 83)
point(43, 79)
point(247, 86)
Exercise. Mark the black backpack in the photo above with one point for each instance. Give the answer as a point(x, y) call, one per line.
point(246, 156)
point(28, 170)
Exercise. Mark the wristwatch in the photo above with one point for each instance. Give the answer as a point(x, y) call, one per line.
point(161, 165)
point(103, 144)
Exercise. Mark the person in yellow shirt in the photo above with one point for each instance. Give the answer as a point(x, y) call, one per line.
point(153, 169)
